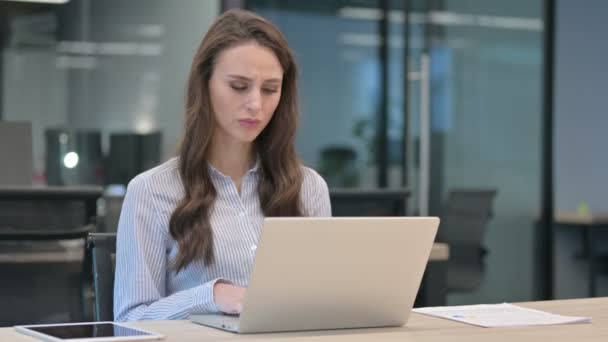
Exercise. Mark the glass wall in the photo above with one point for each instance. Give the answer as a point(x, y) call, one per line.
point(463, 113)
point(459, 87)
point(486, 128)
point(339, 86)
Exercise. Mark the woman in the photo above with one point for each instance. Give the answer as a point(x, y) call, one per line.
point(188, 228)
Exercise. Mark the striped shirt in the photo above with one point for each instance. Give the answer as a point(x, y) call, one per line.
point(146, 287)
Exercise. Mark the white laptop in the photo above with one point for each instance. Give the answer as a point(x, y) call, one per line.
point(332, 273)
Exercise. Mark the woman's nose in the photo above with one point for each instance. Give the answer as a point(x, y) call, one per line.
point(254, 102)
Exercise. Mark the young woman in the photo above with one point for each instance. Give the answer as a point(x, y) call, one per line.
point(188, 228)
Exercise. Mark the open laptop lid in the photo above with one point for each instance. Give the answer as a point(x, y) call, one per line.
point(332, 273)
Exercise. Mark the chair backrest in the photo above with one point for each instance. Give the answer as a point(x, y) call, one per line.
point(102, 247)
point(464, 221)
point(43, 253)
point(113, 207)
point(466, 215)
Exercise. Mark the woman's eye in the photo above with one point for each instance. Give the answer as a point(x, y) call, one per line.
point(239, 87)
point(269, 91)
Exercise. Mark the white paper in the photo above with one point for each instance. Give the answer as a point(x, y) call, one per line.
point(499, 315)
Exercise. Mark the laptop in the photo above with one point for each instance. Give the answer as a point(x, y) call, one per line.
point(332, 273)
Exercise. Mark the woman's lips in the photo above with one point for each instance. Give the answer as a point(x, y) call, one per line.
point(249, 123)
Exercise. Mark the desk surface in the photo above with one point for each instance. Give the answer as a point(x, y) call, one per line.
point(33, 252)
point(574, 218)
point(83, 192)
point(440, 252)
point(419, 328)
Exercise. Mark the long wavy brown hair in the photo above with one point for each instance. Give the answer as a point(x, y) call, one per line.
point(280, 176)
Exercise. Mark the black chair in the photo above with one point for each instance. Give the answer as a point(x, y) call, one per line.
point(463, 224)
point(28, 244)
point(108, 222)
point(43, 232)
point(102, 249)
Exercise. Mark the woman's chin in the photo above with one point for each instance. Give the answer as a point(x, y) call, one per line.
point(247, 138)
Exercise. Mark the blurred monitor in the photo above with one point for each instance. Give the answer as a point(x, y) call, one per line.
point(131, 154)
point(368, 202)
point(16, 153)
point(73, 157)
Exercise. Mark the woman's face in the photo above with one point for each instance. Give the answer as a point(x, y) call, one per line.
point(245, 89)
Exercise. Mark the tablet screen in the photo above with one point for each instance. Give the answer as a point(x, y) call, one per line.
point(89, 330)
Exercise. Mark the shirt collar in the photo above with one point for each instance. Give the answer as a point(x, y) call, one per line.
point(254, 169)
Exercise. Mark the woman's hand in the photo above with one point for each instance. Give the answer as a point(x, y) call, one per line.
point(229, 298)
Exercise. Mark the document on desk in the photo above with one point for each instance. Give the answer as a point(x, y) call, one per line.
point(499, 315)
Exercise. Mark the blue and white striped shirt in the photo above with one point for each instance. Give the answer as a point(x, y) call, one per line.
point(146, 287)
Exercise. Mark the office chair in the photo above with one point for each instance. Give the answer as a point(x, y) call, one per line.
point(112, 208)
point(30, 242)
point(102, 248)
point(466, 215)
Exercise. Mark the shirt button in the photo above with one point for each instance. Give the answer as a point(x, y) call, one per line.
point(242, 214)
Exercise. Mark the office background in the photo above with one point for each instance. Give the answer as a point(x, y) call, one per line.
point(99, 73)
point(485, 105)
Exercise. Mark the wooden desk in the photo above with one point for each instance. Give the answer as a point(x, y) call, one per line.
point(581, 220)
point(37, 252)
point(419, 328)
point(12, 195)
point(589, 224)
point(71, 253)
point(440, 252)
point(433, 290)
point(64, 256)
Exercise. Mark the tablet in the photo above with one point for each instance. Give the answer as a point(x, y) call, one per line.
point(88, 331)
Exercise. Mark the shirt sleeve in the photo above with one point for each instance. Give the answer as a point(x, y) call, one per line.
point(315, 195)
point(141, 265)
